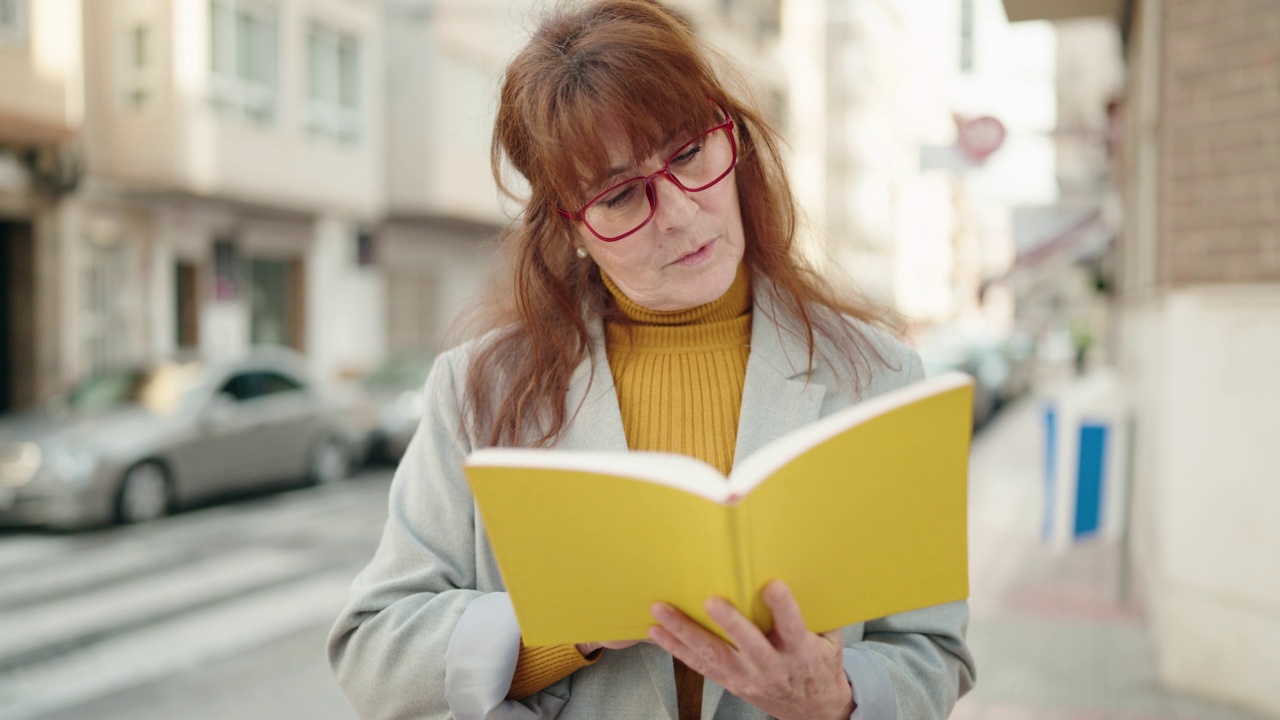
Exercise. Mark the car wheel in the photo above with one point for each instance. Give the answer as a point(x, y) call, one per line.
point(329, 462)
point(144, 494)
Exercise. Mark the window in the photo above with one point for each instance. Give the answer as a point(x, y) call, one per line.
point(251, 385)
point(107, 291)
point(139, 66)
point(13, 20)
point(333, 83)
point(242, 44)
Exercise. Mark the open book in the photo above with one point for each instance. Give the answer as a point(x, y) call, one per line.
point(862, 513)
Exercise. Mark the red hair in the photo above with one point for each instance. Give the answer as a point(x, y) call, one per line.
point(638, 69)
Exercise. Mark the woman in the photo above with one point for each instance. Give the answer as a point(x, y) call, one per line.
point(659, 304)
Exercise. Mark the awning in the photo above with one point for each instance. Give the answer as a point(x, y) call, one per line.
point(1082, 236)
point(27, 131)
point(1019, 10)
point(1051, 238)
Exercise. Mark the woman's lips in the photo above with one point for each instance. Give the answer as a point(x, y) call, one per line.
point(695, 257)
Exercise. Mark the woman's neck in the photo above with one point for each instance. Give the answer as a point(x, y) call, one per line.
point(733, 303)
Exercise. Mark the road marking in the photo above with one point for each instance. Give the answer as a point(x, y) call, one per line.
point(18, 551)
point(79, 571)
point(59, 623)
point(171, 646)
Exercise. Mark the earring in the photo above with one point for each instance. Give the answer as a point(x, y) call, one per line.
point(581, 252)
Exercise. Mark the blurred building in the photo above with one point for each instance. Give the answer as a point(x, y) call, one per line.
point(212, 174)
point(205, 184)
point(41, 108)
point(862, 102)
point(984, 70)
point(1198, 308)
point(444, 213)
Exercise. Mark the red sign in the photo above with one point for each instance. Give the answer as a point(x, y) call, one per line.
point(979, 137)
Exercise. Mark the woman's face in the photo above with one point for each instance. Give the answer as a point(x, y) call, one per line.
point(687, 254)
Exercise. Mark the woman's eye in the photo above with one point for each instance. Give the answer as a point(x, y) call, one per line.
point(689, 154)
point(621, 197)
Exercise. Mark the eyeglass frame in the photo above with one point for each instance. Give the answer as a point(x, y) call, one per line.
point(651, 192)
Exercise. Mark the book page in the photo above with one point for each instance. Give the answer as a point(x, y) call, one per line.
point(679, 472)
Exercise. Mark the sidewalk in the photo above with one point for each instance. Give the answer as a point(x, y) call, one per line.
point(1051, 638)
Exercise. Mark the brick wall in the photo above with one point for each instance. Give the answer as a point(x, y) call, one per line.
point(1219, 202)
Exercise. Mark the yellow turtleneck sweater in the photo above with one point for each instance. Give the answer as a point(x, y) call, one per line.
point(679, 379)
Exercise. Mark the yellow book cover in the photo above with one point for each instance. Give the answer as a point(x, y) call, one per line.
point(863, 513)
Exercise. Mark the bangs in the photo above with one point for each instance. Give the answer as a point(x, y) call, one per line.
point(642, 124)
point(640, 87)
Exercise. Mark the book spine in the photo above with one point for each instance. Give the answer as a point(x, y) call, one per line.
point(740, 542)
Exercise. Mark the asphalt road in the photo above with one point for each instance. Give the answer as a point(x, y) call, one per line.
point(218, 613)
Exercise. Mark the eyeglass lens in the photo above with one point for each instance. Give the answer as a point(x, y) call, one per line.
point(695, 166)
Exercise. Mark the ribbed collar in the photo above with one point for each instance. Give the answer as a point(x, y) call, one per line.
point(735, 303)
point(722, 323)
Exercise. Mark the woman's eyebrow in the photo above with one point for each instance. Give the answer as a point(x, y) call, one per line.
point(664, 149)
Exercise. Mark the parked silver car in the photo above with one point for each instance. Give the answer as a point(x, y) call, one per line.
point(133, 445)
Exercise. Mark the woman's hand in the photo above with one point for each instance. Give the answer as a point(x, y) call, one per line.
point(791, 673)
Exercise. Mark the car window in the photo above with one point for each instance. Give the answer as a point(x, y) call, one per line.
point(244, 386)
point(277, 383)
point(251, 385)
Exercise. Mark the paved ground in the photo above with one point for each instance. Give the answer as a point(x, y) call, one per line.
point(1053, 638)
point(214, 614)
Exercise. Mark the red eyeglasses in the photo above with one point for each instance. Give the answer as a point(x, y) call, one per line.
point(628, 206)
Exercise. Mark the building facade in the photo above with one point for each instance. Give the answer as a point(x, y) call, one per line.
point(205, 184)
point(1198, 321)
point(1200, 315)
point(41, 109)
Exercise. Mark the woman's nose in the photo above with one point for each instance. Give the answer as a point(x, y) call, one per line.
point(675, 206)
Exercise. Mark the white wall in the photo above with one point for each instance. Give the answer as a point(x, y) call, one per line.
point(446, 61)
point(42, 72)
point(181, 142)
point(1207, 483)
point(346, 304)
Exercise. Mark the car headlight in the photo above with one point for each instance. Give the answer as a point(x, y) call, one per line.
point(72, 465)
point(19, 463)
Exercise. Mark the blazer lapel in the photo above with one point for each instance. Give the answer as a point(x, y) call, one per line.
point(662, 673)
point(778, 395)
point(595, 422)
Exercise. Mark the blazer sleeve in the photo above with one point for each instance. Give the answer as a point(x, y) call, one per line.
point(913, 665)
point(388, 647)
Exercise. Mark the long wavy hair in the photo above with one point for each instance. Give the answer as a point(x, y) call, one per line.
point(637, 69)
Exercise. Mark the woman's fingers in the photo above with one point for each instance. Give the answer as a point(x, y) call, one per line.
point(684, 638)
point(788, 623)
point(743, 633)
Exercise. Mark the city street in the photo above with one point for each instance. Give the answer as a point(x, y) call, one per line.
point(216, 613)
point(223, 612)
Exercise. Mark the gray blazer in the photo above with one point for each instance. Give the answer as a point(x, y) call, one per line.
point(388, 646)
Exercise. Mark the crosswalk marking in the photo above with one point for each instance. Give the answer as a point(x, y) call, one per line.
point(60, 622)
point(171, 646)
point(87, 569)
point(18, 551)
point(94, 613)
